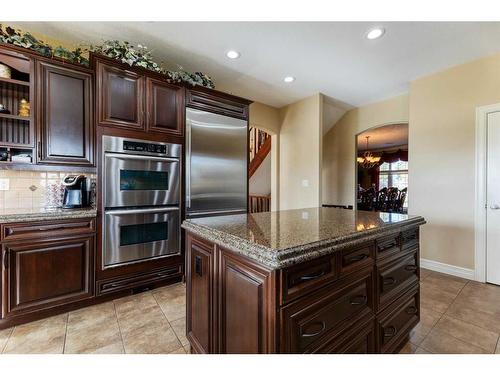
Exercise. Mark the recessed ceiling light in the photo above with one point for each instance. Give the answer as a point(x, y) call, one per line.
point(232, 54)
point(289, 79)
point(375, 33)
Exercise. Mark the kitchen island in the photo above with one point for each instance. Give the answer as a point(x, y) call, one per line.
point(319, 280)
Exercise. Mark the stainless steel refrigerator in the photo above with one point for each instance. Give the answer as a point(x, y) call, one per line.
point(216, 164)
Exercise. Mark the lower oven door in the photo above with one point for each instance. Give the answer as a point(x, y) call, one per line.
point(136, 235)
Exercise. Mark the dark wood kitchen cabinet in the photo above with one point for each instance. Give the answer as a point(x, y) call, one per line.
point(65, 131)
point(344, 302)
point(46, 265)
point(136, 99)
point(120, 95)
point(165, 107)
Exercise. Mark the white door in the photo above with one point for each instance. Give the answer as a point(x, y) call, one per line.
point(493, 199)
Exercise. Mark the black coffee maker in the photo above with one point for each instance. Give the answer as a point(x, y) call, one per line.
point(76, 194)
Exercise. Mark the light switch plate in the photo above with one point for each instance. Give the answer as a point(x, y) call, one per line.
point(4, 183)
point(305, 183)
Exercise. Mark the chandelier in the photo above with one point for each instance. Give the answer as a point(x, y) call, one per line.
point(368, 160)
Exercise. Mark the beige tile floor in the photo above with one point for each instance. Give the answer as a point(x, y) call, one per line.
point(457, 316)
point(150, 322)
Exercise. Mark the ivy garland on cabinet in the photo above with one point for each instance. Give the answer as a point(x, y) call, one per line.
point(123, 51)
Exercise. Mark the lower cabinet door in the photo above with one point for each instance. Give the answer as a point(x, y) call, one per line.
point(200, 295)
point(244, 325)
point(45, 274)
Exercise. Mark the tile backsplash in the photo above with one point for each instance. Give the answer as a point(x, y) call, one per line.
point(31, 190)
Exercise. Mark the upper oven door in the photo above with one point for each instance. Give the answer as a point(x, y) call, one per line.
point(136, 180)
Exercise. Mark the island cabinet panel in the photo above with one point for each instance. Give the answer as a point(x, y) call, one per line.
point(120, 97)
point(165, 107)
point(244, 300)
point(38, 275)
point(65, 131)
point(201, 311)
point(361, 298)
point(310, 322)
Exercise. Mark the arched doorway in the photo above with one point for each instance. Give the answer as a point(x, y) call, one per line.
point(382, 169)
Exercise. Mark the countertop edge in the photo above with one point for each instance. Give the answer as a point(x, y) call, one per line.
point(44, 216)
point(288, 257)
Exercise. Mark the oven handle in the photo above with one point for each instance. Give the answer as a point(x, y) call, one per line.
point(140, 157)
point(141, 211)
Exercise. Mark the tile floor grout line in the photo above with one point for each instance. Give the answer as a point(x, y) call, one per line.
point(7, 341)
point(65, 334)
point(465, 342)
point(168, 321)
point(119, 328)
point(442, 313)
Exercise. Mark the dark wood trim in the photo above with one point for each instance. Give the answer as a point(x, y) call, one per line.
point(259, 157)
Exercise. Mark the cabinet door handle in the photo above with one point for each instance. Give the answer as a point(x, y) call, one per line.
point(313, 276)
point(5, 260)
point(390, 331)
point(312, 334)
point(39, 150)
point(411, 310)
point(358, 300)
point(389, 281)
point(411, 267)
point(357, 258)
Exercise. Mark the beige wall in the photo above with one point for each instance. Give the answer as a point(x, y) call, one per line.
point(300, 153)
point(339, 146)
point(442, 153)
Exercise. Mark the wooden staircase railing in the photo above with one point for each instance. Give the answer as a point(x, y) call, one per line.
point(260, 145)
point(257, 203)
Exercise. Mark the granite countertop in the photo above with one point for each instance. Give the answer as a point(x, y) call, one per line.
point(279, 239)
point(38, 214)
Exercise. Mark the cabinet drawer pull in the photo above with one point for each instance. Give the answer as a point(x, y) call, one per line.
point(322, 328)
point(356, 258)
point(389, 281)
point(313, 276)
point(387, 247)
point(411, 310)
point(390, 331)
point(411, 267)
point(358, 300)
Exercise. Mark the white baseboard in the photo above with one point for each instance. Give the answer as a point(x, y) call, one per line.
point(465, 273)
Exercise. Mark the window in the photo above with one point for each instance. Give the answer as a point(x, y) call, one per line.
point(394, 175)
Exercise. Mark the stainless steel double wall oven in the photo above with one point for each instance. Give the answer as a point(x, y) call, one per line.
point(141, 200)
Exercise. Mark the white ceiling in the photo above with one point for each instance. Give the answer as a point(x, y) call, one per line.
point(329, 57)
point(388, 136)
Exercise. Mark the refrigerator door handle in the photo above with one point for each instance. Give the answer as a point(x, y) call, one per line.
point(188, 163)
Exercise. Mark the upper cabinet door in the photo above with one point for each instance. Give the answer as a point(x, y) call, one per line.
point(120, 100)
point(65, 132)
point(165, 107)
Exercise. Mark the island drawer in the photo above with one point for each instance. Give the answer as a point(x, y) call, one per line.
point(301, 279)
point(313, 320)
point(47, 229)
point(353, 259)
point(388, 245)
point(396, 322)
point(409, 239)
point(394, 276)
point(361, 340)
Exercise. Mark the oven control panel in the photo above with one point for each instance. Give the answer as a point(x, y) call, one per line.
point(144, 147)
